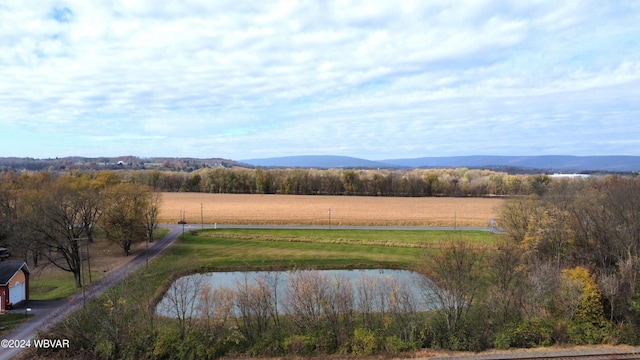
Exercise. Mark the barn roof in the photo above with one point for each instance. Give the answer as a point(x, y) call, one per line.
point(10, 268)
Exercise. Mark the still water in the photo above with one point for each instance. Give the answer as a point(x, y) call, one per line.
point(371, 289)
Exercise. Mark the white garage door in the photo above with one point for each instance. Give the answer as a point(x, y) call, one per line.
point(16, 293)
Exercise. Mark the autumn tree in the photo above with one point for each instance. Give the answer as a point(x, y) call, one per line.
point(87, 198)
point(151, 214)
point(8, 210)
point(588, 324)
point(549, 236)
point(51, 210)
point(515, 216)
point(124, 218)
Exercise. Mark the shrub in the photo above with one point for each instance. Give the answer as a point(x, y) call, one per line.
point(166, 346)
point(271, 344)
point(624, 333)
point(300, 345)
point(363, 342)
point(393, 344)
point(105, 349)
point(589, 325)
point(584, 332)
point(525, 334)
point(456, 342)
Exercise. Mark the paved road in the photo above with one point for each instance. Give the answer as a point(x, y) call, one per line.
point(46, 314)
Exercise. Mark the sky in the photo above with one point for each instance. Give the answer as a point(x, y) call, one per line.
point(370, 79)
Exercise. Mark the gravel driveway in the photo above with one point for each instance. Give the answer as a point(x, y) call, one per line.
point(46, 314)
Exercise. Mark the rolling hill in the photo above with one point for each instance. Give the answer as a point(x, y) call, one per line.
point(557, 163)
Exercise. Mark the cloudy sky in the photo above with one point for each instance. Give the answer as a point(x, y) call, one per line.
point(372, 79)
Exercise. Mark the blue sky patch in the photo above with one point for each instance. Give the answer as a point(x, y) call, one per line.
point(62, 14)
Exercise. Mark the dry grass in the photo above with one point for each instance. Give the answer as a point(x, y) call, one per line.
point(314, 210)
point(105, 256)
point(48, 282)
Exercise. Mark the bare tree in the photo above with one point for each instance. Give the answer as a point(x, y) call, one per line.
point(402, 309)
point(453, 281)
point(181, 301)
point(366, 295)
point(215, 310)
point(508, 278)
point(543, 282)
point(305, 295)
point(339, 310)
point(256, 305)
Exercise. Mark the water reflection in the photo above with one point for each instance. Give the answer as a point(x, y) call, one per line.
point(293, 292)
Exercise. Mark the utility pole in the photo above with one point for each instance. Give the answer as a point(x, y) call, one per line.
point(182, 216)
point(455, 220)
point(88, 260)
point(329, 212)
point(146, 252)
point(82, 280)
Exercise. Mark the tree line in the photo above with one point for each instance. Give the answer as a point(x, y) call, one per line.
point(414, 183)
point(48, 218)
point(574, 255)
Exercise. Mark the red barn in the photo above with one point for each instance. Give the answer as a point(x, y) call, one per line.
point(14, 283)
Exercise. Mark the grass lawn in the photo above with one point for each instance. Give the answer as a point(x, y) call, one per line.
point(314, 248)
point(393, 238)
point(55, 284)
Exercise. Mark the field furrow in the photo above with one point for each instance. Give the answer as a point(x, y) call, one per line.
point(327, 210)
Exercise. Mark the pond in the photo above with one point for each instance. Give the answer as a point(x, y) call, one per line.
point(289, 292)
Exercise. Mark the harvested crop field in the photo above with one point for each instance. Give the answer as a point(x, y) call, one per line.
point(314, 210)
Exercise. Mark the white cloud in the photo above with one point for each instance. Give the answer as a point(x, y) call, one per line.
point(306, 77)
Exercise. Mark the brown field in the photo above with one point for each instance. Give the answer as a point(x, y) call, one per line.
point(314, 210)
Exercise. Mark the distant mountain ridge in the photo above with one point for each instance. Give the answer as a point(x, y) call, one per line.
point(319, 161)
point(558, 163)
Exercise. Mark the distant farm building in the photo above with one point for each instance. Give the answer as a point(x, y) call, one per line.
point(570, 176)
point(14, 284)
